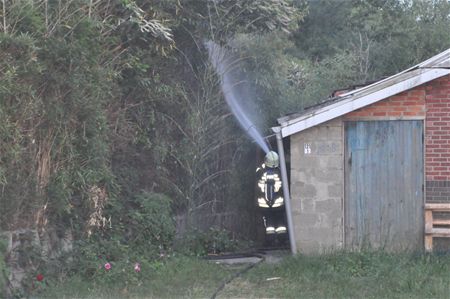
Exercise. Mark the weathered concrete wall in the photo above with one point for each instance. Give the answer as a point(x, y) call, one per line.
point(23, 247)
point(317, 174)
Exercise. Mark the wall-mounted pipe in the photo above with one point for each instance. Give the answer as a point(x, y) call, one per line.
point(287, 198)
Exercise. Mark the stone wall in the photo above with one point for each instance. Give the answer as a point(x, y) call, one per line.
point(317, 173)
point(24, 247)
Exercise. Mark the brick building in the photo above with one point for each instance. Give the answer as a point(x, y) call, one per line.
point(364, 163)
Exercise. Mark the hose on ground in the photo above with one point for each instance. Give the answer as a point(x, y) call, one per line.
point(239, 273)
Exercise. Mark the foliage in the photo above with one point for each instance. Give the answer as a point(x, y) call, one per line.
point(142, 234)
point(150, 226)
point(338, 45)
point(385, 36)
point(109, 108)
point(91, 106)
point(212, 241)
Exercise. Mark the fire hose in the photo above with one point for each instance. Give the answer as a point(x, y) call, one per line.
point(238, 273)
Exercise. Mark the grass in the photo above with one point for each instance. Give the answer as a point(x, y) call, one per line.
point(347, 275)
point(338, 275)
point(180, 277)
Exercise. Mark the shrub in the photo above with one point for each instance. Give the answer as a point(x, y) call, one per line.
point(212, 241)
point(142, 230)
point(152, 226)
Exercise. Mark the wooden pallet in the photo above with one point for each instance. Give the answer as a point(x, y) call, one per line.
point(443, 229)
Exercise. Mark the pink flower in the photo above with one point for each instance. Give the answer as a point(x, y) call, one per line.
point(137, 267)
point(39, 277)
point(108, 266)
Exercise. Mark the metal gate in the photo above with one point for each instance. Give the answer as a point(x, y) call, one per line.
point(384, 185)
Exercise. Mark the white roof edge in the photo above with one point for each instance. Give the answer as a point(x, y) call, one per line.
point(420, 76)
point(430, 69)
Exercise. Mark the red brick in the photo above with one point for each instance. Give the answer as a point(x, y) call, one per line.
point(440, 105)
point(439, 114)
point(401, 97)
point(412, 101)
point(432, 173)
point(415, 108)
point(441, 150)
point(440, 160)
point(407, 113)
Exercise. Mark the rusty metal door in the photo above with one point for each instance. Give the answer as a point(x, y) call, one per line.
point(384, 185)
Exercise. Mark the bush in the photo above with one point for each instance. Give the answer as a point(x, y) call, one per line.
point(152, 227)
point(142, 231)
point(212, 241)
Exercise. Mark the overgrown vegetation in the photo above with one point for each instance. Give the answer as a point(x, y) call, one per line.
point(112, 122)
point(213, 241)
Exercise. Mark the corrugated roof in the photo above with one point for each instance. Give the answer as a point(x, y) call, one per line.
point(433, 68)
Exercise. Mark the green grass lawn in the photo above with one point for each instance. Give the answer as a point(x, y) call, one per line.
point(347, 275)
point(339, 275)
point(180, 277)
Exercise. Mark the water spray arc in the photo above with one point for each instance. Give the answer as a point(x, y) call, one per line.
point(221, 64)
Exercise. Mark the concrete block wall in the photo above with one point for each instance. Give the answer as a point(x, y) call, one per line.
point(317, 187)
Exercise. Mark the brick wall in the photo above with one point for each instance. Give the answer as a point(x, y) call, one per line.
point(437, 140)
point(431, 102)
point(407, 105)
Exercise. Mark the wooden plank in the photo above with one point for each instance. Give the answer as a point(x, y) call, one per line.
point(435, 232)
point(428, 243)
point(439, 232)
point(428, 221)
point(437, 207)
point(440, 221)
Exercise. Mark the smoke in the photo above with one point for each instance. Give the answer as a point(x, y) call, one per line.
point(222, 65)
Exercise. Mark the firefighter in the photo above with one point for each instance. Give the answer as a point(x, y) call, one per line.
point(270, 197)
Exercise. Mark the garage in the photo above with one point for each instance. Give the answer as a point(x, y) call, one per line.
point(365, 162)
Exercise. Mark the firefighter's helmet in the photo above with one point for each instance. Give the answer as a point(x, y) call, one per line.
point(271, 160)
